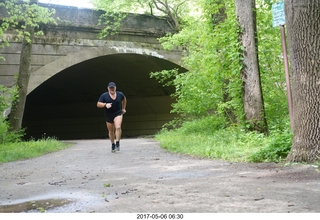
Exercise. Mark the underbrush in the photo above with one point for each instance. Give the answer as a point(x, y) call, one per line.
point(29, 149)
point(205, 138)
point(276, 150)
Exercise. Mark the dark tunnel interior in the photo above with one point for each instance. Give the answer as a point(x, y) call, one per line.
point(64, 106)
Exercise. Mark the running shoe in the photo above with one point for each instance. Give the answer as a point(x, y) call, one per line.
point(113, 148)
point(117, 146)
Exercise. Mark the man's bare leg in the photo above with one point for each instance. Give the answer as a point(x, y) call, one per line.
point(111, 129)
point(117, 124)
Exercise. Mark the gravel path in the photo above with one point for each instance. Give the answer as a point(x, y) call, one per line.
point(144, 178)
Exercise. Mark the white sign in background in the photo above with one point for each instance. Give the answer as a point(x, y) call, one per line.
point(278, 14)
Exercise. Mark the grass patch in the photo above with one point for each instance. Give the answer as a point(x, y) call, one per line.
point(29, 149)
point(276, 150)
point(202, 138)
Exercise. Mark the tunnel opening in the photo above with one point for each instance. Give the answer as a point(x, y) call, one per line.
point(64, 106)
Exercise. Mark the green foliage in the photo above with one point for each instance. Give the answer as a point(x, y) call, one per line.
point(9, 137)
point(20, 15)
point(25, 150)
point(7, 95)
point(276, 150)
point(174, 12)
point(41, 209)
point(212, 60)
point(272, 69)
point(114, 14)
point(112, 22)
point(208, 139)
point(211, 89)
point(106, 185)
point(212, 84)
point(205, 125)
point(165, 76)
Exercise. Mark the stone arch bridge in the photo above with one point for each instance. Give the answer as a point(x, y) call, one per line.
point(71, 68)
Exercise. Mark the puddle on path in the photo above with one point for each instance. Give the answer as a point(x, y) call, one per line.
point(34, 206)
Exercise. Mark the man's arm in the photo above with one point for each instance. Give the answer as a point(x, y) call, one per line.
point(104, 105)
point(100, 104)
point(124, 105)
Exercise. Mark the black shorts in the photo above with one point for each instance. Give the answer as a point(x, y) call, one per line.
point(110, 116)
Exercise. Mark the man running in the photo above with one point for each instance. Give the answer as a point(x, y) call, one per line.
point(114, 103)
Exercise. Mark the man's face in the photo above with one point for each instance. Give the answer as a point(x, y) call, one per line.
point(112, 89)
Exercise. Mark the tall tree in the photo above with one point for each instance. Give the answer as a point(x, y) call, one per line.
point(250, 73)
point(17, 109)
point(211, 85)
point(24, 17)
point(302, 22)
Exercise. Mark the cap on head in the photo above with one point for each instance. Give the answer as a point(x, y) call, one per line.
point(111, 84)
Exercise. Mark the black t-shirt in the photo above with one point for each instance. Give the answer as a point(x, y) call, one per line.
point(116, 103)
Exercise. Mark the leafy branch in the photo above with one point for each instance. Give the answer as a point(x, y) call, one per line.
point(22, 14)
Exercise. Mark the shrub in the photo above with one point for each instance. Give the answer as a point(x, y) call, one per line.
point(7, 95)
point(276, 150)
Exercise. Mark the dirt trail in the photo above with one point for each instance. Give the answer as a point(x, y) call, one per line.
point(144, 178)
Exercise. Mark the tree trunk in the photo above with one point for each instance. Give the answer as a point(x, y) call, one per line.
point(302, 21)
point(17, 109)
point(251, 92)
